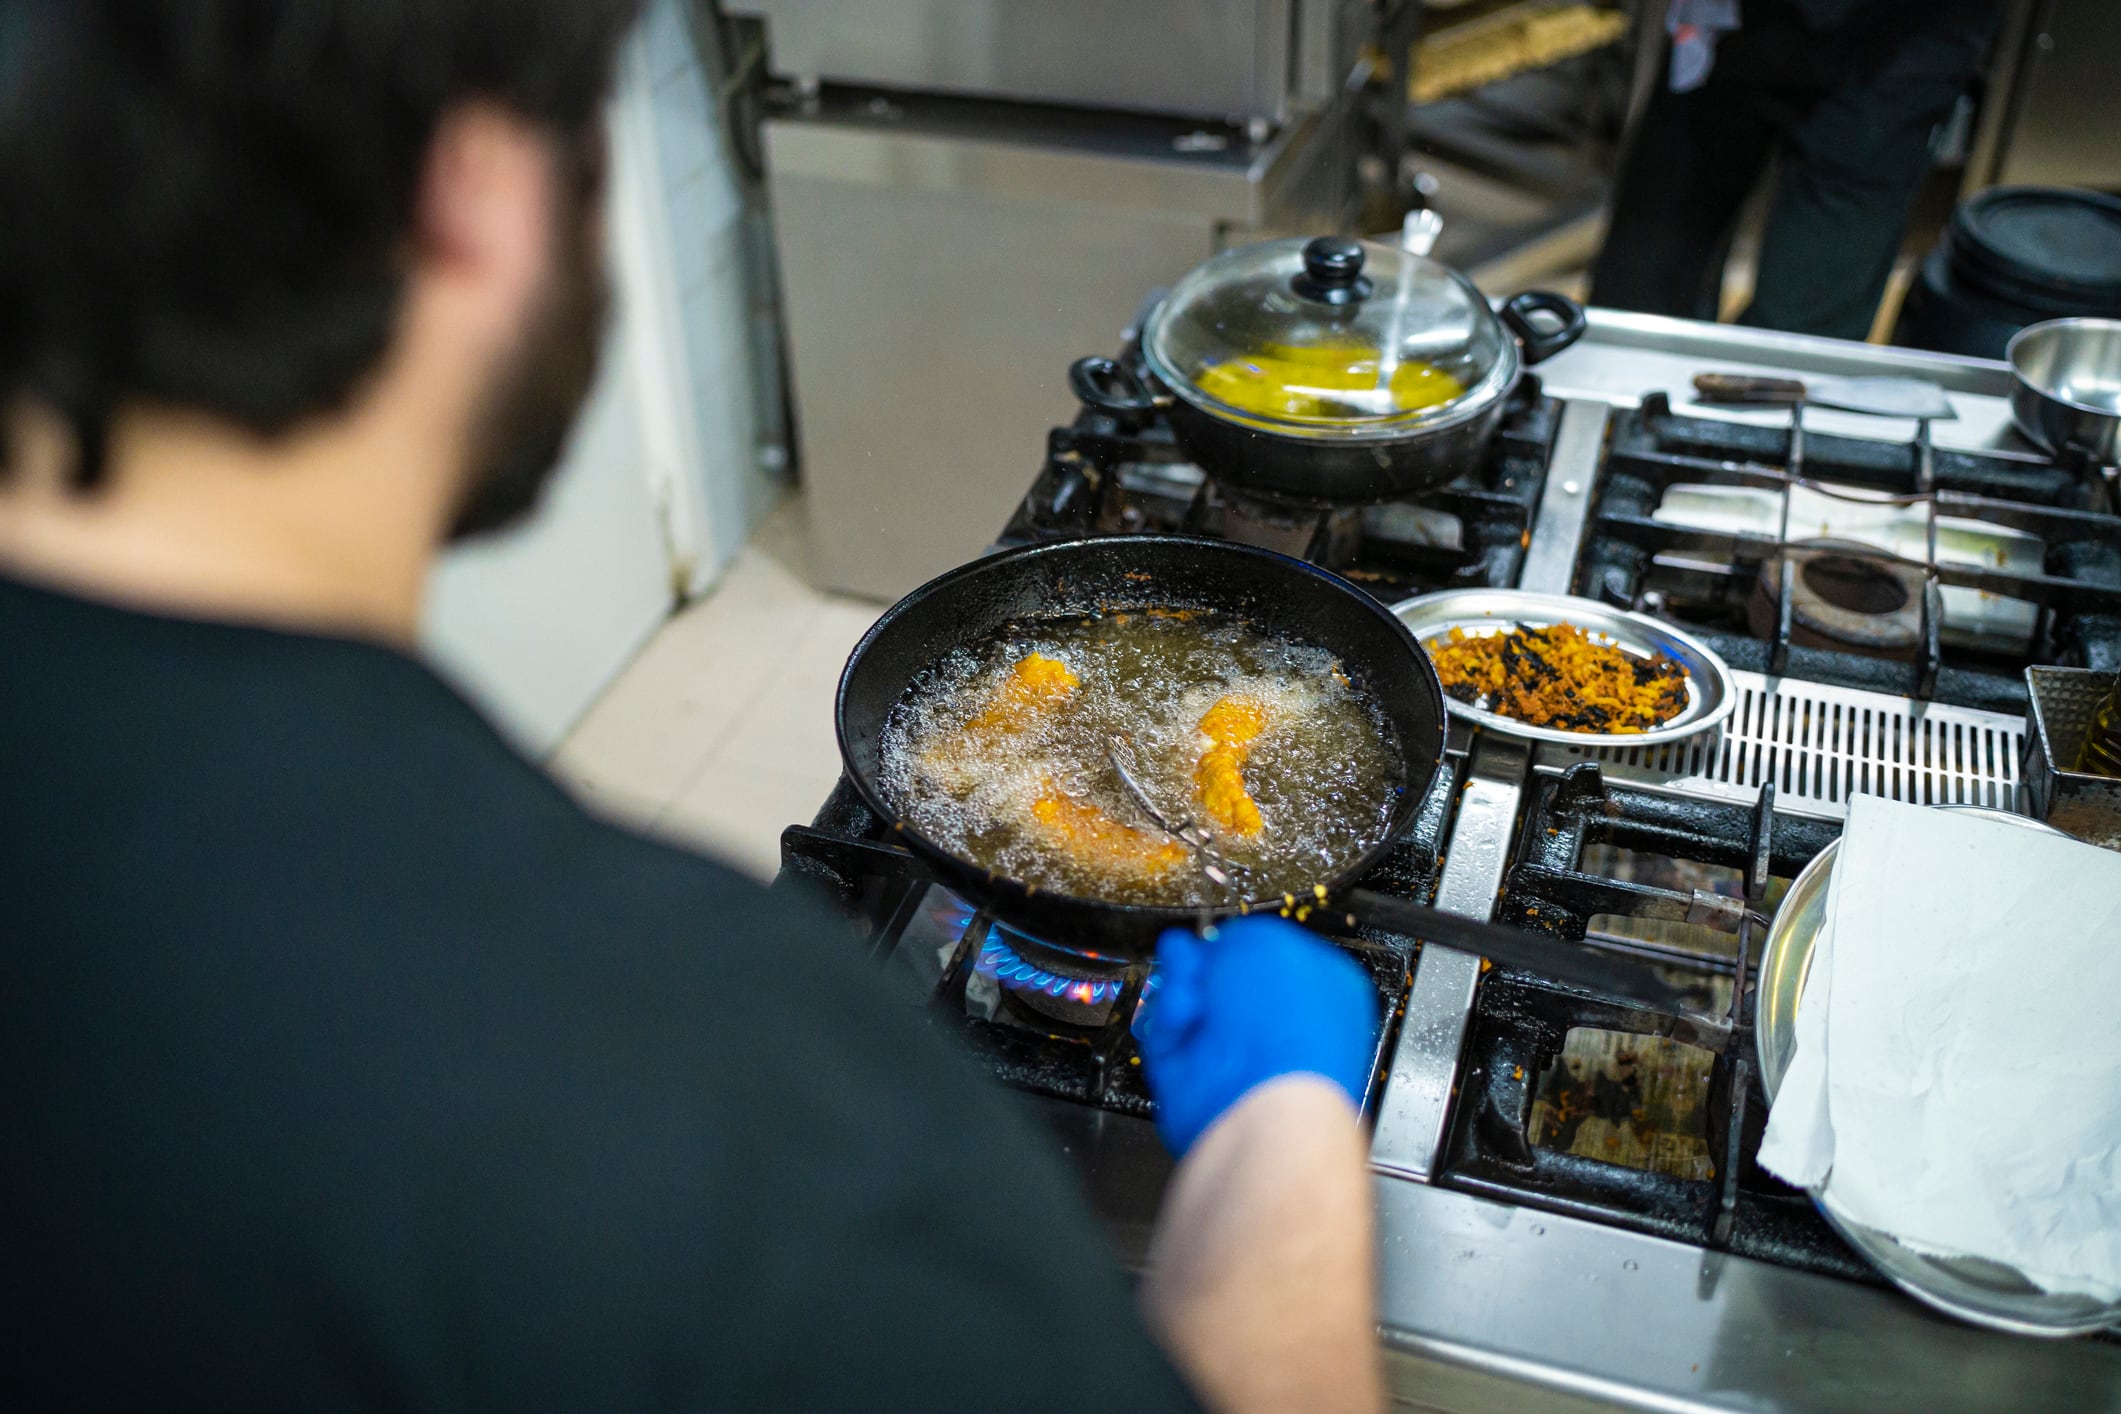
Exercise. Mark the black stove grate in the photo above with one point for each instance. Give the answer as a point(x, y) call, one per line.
point(1056, 1045)
point(1103, 477)
point(1522, 1022)
point(1741, 590)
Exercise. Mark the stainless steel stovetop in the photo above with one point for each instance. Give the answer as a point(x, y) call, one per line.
point(1520, 1270)
point(1491, 1305)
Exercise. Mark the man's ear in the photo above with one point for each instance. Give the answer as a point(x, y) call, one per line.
point(483, 218)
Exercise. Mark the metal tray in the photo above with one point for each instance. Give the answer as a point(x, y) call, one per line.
point(2075, 802)
point(1710, 693)
point(1982, 1292)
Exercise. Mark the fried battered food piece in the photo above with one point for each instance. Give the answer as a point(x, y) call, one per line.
point(1559, 676)
point(1230, 726)
point(1035, 683)
point(1114, 850)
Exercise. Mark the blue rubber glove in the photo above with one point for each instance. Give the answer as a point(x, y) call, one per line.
point(1256, 1000)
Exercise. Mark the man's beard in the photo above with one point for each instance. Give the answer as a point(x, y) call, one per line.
point(531, 404)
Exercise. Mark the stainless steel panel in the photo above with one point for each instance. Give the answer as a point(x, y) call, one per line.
point(1489, 1306)
point(1565, 505)
point(1821, 745)
point(1144, 168)
point(1416, 1104)
point(1624, 356)
point(936, 286)
point(1211, 58)
point(2065, 129)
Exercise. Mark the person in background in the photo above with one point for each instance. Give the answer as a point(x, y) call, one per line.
point(344, 1061)
point(1848, 93)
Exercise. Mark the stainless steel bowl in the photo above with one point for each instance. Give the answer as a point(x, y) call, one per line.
point(1709, 689)
point(2066, 386)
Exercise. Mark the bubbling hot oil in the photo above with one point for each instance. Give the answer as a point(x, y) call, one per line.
point(1325, 772)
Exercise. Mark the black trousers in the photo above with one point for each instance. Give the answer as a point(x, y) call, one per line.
point(1850, 110)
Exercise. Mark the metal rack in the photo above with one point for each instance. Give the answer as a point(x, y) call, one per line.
point(1653, 449)
point(1522, 1023)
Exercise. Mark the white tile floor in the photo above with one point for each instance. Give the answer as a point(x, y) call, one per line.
point(720, 733)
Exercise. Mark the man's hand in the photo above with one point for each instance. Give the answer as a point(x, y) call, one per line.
point(1256, 1000)
point(1257, 1047)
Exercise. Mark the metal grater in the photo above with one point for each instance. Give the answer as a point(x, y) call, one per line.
point(1820, 745)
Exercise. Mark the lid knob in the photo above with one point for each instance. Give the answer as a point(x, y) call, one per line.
point(1332, 271)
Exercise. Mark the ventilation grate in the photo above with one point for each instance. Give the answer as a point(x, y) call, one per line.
point(1820, 745)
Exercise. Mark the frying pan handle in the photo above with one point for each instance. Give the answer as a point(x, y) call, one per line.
point(1111, 387)
point(1542, 344)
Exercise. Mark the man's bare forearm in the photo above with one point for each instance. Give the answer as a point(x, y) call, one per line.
point(1262, 1279)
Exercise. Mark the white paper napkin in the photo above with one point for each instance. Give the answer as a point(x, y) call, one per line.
point(1957, 1076)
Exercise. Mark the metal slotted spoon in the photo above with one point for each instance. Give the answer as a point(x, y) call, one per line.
point(1185, 829)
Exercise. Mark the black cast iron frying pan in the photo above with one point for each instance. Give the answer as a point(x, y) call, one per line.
point(1277, 594)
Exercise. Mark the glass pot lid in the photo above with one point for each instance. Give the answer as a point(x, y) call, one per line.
point(1329, 338)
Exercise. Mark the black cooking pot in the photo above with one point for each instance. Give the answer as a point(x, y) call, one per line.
point(1274, 593)
point(1331, 371)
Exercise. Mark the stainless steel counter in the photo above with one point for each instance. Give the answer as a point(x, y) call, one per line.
point(1625, 356)
point(1491, 1307)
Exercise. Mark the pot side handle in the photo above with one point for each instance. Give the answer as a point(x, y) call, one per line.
point(1542, 344)
point(1110, 387)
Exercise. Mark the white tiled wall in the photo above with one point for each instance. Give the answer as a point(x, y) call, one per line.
point(726, 495)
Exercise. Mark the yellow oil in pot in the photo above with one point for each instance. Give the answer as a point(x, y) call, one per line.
point(1313, 383)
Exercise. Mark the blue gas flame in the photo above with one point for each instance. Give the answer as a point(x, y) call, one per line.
point(1005, 965)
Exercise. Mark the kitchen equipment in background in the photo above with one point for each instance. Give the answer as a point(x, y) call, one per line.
point(1233, 61)
point(967, 192)
point(1329, 371)
point(2066, 387)
point(1515, 40)
point(2065, 701)
point(1710, 693)
point(2043, 117)
point(1880, 397)
point(1515, 115)
point(1279, 596)
point(2010, 257)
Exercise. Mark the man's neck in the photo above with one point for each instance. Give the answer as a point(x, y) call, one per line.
point(328, 530)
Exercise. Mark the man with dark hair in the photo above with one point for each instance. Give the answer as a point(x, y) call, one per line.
point(344, 1062)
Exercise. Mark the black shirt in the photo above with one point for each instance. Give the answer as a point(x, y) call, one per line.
point(346, 1063)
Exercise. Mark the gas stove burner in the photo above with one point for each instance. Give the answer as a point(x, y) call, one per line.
point(1102, 477)
point(1040, 985)
point(1324, 535)
point(1702, 515)
point(1845, 595)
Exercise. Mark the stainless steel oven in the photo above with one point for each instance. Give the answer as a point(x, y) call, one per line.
point(966, 194)
point(1236, 60)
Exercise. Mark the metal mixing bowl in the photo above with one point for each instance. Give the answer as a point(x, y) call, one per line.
point(2066, 386)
